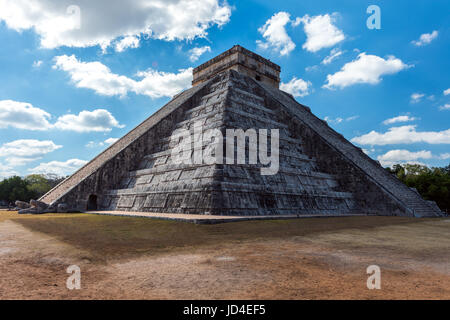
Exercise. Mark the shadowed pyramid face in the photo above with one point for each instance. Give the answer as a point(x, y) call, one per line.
point(241, 178)
point(235, 148)
point(236, 145)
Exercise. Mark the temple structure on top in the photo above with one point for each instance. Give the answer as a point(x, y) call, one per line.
point(319, 171)
point(243, 61)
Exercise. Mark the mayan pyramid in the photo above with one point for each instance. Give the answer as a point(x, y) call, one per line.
point(320, 172)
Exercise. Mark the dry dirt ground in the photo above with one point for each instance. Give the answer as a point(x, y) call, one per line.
point(139, 258)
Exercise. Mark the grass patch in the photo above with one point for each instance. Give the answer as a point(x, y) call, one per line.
point(14, 215)
point(109, 237)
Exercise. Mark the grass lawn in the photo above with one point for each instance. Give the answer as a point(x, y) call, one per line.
point(112, 237)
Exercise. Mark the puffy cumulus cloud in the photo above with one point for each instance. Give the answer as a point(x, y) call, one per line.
point(98, 77)
point(447, 92)
point(297, 87)
point(444, 156)
point(21, 152)
point(94, 75)
point(90, 23)
point(196, 53)
point(99, 120)
point(127, 42)
point(320, 32)
point(28, 148)
point(425, 39)
point(445, 107)
point(274, 31)
point(157, 84)
point(19, 161)
point(404, 135)
point(334, 54)
point(22, 115)
point(60, 168)
point(365, 69)
point(7, 171)
point(401, 156)
point(399, 119)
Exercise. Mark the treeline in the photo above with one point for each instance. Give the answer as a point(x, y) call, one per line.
point(25, 189)
point(431, 183)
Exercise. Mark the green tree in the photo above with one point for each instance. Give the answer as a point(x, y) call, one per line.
point(15, 188)
point(38, 184)
point(25, 189)
point(431, 183)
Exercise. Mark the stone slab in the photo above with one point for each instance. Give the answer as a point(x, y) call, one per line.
point(211, 219)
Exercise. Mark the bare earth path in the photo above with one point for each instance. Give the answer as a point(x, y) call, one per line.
point(138, 258)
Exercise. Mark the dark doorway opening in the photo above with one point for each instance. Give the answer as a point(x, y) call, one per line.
point(92, 202)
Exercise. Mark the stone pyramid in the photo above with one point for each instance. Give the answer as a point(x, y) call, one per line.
point(319, 171)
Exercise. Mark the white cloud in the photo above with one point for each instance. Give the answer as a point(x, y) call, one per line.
point(197, 52)
point(399, 119)
point(58, 167)
point(156, 84)
point(98, 77)
point(444, 156)
point(297, 87)
point(404, 135)
point(28, 148)
point(352, 118)
point(21, 152)
point(447, 92)
point(330, 120)
point(93, 144)
point(339, 119)
point(425, 39)
point(19, 161)
point(22, 115)
point(7, 171)
point(445, 107)
point(312, 68)
point(274, 31)
point(127, 42)
point(368, 151)
point(401, 156)
point(111, 140)
point(320, 32)
point(99, 22)
point(365, 69)
point(332, 56)
point(99, 120)
point(416, 97)
point(94, 75)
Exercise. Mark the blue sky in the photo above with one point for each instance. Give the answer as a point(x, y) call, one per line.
point(75, 78)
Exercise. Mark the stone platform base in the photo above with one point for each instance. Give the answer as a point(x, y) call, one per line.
point(209, 219)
